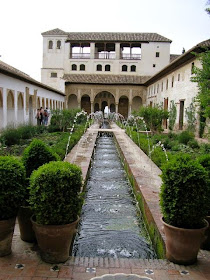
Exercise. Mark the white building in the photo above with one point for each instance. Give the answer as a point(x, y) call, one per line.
point(120, 70)
point(20, 96)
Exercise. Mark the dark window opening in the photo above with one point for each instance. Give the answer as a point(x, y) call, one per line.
point(82, 67)
point(54, 75)
point(157, 54)
point(50, 46)
point(58, 44)
point(74, 67)
point(107, 67)
point(133, 68)
point(124, 68)
point(99, 67)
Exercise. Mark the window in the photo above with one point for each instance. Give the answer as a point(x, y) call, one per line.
point(58, 44)
point(124, 68)
point(162, 86)
point(133, 68)
point(82, 67)
point(157, 88)
point(107, 67)
point(192, 68)
point(50, 46)
point(157, 54)
point(99, 67)
point(172, 82)
point(54, 75)
point(178, 77)
point(154, 65)
point(167, 84)
point(74, 67)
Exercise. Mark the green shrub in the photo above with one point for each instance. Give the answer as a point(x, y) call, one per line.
point(37, 154)
point(26, 131)
point(184, 192)
point(158, 157)
point(10, 136)
point(12, 186)
point(185, 137)
point(54, 189)
point(193, 144)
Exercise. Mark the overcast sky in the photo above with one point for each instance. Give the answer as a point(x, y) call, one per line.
point(185, 22)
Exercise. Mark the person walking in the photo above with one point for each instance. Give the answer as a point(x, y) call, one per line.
point(42, 116)
point(38, 117)
point(46, 116)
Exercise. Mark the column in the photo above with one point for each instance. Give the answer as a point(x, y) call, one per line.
point(92, 50)
point(4, 107)
point(129, 108)
point(116, 107)
point(117, 50)
point(92, 107)
point(79, 98)
point(16, 107)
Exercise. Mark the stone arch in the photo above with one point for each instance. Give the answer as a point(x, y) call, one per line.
point(10, 108)
point(85, 103)
point(20, 101)
point(136, 103)
point(47, 103)
point(72, 101)
point(104, 96)
point(43, 103)
point(123, 106)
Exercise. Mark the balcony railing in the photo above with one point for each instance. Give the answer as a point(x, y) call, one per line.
point(130, 56)
point(105, 55)
point(79, 55)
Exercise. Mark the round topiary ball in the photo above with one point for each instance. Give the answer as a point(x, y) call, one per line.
point(37, 154)
point(12, 186)
point(54, 193)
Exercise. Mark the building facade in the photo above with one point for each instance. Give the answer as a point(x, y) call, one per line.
point(120, 70)
point(21, 96)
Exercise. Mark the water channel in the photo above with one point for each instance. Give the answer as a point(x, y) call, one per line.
point(110, 225)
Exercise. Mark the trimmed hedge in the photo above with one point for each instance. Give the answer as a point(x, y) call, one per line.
point(54, 189)
point(37, 154)
point(12, 186)
point(184, 191)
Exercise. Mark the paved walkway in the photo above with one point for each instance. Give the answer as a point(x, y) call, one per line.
point(25, 264)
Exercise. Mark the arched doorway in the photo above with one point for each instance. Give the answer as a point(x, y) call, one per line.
point(104, 99)
point(136, 103)
point(38, 103)
point(72, 101)
point(85, 103)
point(112, 108)
point(20, 115)
point(96, 107)
point(10, 108)
point(123, 106)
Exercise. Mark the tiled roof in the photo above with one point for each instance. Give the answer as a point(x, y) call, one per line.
point(204, 44)
point(173, 57)
point(104, 79)
point(14, 72)
point(109, 36)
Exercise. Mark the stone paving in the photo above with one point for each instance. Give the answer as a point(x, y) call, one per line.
point(25, 264)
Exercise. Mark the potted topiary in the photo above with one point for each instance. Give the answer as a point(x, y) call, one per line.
point(183, 204)
point(12, 192)
point(35, 155)
point(204, 160)
point(56, 203)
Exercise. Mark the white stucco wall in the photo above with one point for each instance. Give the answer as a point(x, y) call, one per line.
point(183, 89)
point(14, 115)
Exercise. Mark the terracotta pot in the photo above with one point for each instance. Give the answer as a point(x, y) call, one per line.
point(55, 240)
point(6, 234)
point(206, 244)
point(182, 245)
point(24, 220)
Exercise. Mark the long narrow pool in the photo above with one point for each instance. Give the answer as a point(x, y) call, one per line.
point(110, 225)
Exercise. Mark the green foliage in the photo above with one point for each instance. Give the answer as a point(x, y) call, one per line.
point(193, 144)
point(202, 77)
point(183, 192)
point(12, 136)
point(185, 137)
point(172, 115)
point(158, 157)
point(12, 186)
point(153, 117)
point(63, 119)
point(37, 154)
point(54, 189)
point(190, 115)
